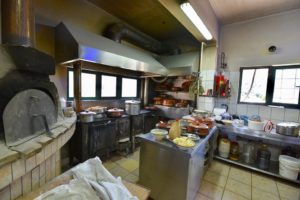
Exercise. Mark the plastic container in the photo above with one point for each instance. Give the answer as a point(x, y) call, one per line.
point(255, 125)
point(289, 167)
point(224, 148)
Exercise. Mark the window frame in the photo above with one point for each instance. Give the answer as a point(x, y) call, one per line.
point(98, 86)
point(270, 86)
point(83, 98)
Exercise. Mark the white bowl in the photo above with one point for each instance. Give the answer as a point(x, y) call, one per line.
point(159, 134)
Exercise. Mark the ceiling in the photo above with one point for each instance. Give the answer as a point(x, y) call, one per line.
point(164, 21)
point(231, 11)
point(148, 16)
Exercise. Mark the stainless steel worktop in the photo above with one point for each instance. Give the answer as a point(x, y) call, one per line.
point(169, 171)
point(271, 137)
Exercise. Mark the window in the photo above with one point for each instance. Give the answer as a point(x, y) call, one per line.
point(88, 85)
point(108, 86)
point(129, 87)
point(254, 85)
point(270, 86)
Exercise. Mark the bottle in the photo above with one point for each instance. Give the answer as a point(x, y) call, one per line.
point(175, 130)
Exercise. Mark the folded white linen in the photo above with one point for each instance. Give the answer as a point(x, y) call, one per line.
point(77, 189)
point(94, 171)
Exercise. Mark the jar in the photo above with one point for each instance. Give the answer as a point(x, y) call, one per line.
point(263, 157)
point(234, 151)
point(249, 153)
point(224, 147)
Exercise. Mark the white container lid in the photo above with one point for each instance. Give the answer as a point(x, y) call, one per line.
point(290, 161)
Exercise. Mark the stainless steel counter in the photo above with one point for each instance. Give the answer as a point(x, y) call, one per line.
point(271, 137)
point(171, 172)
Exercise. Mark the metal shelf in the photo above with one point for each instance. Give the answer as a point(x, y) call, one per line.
point(272, 171)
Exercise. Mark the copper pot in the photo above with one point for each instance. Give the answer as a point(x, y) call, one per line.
point(115, 112)
point(157, 101)
point(169, 102)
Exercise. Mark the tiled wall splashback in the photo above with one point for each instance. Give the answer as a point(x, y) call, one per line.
point(274, 114)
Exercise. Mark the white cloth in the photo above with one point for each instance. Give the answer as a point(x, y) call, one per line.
point(108, 186)
point(77, 189)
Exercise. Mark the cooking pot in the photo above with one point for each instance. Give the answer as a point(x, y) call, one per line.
point(132, 107)
point(87, 116)
point(169, 102)
point(157, 100)
point(115, 112)
point(288, 128)
point(97, 109)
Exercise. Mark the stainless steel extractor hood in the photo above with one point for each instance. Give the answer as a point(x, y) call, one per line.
point(182, 64)
point(73, 43)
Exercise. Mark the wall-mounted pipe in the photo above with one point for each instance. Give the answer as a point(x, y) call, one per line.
point(119, 32)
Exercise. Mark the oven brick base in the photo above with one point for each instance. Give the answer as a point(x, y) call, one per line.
point(34, 165)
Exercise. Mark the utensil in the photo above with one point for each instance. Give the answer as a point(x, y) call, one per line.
point(87, 116)
point(132, 107)
point(288, 128)
point(169, 102)
point(115, 112)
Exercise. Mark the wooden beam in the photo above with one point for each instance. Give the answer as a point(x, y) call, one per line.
point(77, 85)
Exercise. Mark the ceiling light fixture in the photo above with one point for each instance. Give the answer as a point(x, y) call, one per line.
point(192, 15)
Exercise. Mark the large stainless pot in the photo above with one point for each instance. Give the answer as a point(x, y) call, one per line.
point(132, 107)
point(288, 128)
point(87, 116)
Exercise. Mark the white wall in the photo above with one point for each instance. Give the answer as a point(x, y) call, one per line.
point(246, 44)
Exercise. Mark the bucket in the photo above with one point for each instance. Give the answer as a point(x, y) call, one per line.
point(289, 167)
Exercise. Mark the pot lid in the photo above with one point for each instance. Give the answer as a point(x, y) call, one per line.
point(115, 110)
point(291, 161)
point(132, 102)
point(87, 113)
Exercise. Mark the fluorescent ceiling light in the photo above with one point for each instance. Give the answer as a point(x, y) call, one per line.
point(192, 15)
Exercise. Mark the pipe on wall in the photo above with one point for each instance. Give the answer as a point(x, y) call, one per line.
point(119, 32)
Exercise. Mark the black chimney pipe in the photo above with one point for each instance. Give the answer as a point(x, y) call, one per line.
point(119, 32)
point(18, 24)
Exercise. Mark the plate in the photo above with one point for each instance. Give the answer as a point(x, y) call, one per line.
point(184, 140)
point(194, 137)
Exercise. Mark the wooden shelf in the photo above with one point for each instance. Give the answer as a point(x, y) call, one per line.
point(272, 171)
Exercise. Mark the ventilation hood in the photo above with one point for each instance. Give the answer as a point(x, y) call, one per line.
point(182, 64)
point(73, 43)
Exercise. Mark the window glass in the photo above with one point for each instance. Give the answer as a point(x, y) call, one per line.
point(129, 87)
point(108, 86)
point(253, 87)
point(285, 90)
point(88, 85)
point(71, 85)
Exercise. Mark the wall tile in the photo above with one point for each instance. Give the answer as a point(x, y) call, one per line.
point(16, 188)
point(42, 168)
point(5, 176)
point(48, 169)
point(241, 109)
point(18, 168)
point(291, 115)
point(5, 193)
point(264, 112)
point(26, 183)
point(40, 157)
point(201, 99)
point(232, 108)
point(209, 107)
point(252, 110)
point(35, 178)
point(234, 76)
point(277, 113)
point(30, 163)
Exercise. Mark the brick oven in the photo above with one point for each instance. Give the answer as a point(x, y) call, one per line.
point(32, 127)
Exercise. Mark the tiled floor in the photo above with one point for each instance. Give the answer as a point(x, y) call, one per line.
point(221, 181)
